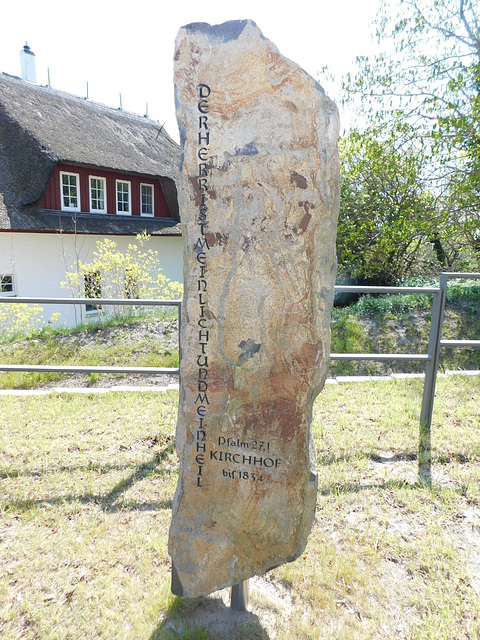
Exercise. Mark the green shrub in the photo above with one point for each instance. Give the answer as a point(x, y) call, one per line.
point(21, 320)
point(135, 274)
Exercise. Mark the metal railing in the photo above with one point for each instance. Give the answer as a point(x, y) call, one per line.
point(90, 368)
point(431, 358)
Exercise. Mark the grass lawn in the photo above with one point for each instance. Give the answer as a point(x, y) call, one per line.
point(86, 483)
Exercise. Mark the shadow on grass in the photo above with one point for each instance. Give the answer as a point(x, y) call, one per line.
point(401, 456)
point(208, 618)
point(111, 501)
point(337, 489)
point(10, 472)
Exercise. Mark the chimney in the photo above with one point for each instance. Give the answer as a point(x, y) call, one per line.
point(27, 61)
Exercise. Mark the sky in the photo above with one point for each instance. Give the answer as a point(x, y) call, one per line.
point(127, 48)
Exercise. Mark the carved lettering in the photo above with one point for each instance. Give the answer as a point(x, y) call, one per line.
point(204, 90)
point(202, 397)
point(200, 248)
point(203, 106)
point(200, 245)
point(226, 456)
point(203, 153)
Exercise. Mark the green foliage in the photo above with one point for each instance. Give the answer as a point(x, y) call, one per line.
point(463, 291)
point(135, 274)
point(431, 79)
point(374, 306)
point(387, 215)
point(401, 323)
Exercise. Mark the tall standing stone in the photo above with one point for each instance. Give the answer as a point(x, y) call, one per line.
point(258, 194)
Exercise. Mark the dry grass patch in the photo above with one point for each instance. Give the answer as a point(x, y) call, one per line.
point(86, 484)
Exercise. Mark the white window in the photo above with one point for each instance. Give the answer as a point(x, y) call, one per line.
point(93, 289)
point(70, 191)
point(132, 285)
point(124, 200)
point(146, 199)
point(98, 195)
point(7, 286)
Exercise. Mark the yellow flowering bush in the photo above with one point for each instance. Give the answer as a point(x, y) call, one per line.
point(133, 274)
point(20, 319)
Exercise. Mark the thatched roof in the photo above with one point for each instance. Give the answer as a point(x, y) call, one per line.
point(40, 126)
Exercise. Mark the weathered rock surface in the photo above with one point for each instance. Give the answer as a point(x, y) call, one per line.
point(259, 202)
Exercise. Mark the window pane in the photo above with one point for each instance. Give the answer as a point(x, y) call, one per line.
point(69, 191)
point(123, 197)
point(93, 289)
point(97, 194)
point(6, 284)
point(147, 199)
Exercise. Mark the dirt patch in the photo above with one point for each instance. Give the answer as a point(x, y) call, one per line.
point(270, 606)
point(154, 333)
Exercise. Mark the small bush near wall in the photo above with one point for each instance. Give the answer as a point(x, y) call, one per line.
point(21, 320)
point(133, 274)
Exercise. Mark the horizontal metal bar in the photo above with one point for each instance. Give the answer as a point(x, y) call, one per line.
point(461, 276)
point(147, 302)
point(358, 289)
point(379, 356)
point(87, 369)
point(460, 343)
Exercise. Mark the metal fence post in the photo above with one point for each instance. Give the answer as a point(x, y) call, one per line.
point(431, 368)
point(239, 596)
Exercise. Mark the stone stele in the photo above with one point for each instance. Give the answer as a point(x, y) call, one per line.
point(259, 197)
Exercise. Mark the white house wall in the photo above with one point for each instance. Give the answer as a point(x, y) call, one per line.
point(38, 262)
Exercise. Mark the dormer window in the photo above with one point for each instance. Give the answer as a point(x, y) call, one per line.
point(70, 191)
point(98, 199)
point(146, 199)
point(93, 190)
point(124, 200)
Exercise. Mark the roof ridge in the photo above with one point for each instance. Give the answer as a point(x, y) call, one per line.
point(83, 100)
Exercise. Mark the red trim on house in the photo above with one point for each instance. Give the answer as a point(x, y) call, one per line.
point(52, 200)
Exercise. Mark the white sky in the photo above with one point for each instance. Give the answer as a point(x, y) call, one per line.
point(127, 47)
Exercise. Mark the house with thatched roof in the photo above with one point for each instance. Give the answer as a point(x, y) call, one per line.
point(72, 172)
